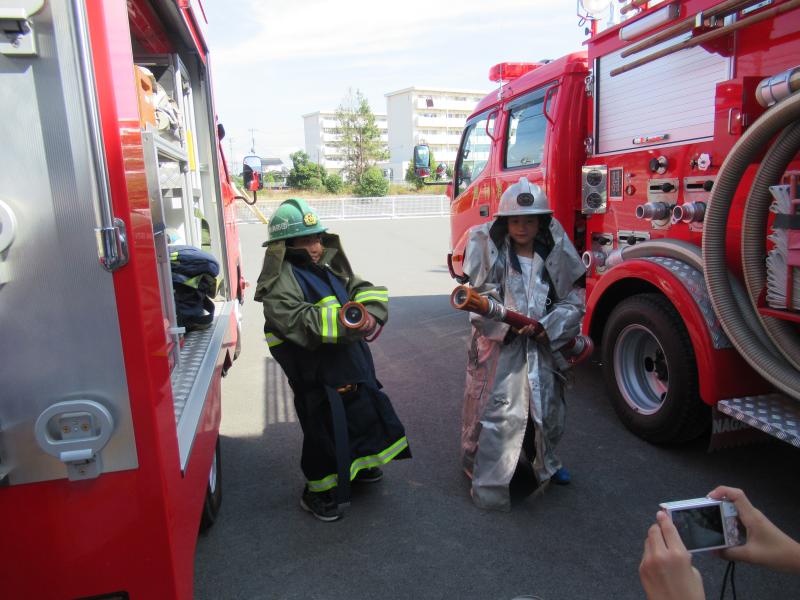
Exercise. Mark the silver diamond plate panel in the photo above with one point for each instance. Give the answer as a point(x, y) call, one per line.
point(775, 414)
point(695, 284)
point(194, 349)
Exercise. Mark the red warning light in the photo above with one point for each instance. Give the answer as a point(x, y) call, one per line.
point(509, 71)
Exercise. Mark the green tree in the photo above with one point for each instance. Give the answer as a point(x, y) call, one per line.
point(360, 139)
point(334, 183)
point(305, 175)
point(415, 180)
point(372, 183)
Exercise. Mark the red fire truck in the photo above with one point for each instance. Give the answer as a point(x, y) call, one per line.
point(663, 148)
point(109, 409)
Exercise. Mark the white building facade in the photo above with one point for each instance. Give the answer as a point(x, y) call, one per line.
point(322, 139)
point(432, 116)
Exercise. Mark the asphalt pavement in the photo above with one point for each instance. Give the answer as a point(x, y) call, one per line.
point(416, 534)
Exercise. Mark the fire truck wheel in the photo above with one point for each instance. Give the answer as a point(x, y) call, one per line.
point(213, 500)
point(650, 371)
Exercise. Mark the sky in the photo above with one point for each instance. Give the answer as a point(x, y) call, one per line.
point(273, 62)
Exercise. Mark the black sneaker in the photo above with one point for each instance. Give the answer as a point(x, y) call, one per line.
point(320, 504)
point(370, 475)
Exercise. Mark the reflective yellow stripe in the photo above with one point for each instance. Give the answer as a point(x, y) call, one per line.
point(330, 324)
point(272, 339)
point(329, 317)
point(371, 294)
point(173, 256)
point(371, 298)
point(363, 462)
point(323, 316)
point(327, 301)
point(322, 485)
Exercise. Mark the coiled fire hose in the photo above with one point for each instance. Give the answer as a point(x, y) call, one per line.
point(779, 365)
point(465, 298)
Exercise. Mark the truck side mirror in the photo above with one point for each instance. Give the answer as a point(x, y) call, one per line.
point(422, 160)
point(252, 173)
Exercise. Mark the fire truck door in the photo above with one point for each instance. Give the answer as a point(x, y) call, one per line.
point(473, 173)
point(524, 138)
point(64, 404)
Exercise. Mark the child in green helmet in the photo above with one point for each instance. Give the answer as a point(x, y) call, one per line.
point(349, 426)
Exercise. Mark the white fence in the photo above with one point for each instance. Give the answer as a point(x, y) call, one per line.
point(387, 207)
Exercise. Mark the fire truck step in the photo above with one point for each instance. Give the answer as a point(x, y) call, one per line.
point(775, 414)
point(192, 379)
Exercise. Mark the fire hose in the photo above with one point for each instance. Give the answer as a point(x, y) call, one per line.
point(465, 298)
point(778, 360)
point(354, 315)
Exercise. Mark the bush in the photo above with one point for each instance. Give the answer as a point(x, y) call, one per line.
point(305, 175)
point(334, 183)
point(372, 184)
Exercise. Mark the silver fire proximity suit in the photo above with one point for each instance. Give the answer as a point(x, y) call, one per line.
point(511, 378)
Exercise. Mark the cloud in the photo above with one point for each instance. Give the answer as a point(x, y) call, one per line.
point(360, 28)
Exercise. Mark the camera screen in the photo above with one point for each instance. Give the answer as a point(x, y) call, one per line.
point(700, 527)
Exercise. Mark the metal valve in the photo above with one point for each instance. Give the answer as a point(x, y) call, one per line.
point(655, 211)
point(691, 212)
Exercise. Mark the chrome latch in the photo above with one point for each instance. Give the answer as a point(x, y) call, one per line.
point(112, 245)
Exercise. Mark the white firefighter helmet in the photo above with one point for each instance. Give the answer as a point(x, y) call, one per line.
point(523, 198)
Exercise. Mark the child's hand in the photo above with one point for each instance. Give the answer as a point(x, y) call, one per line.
point(530, 331)
point(369, 325)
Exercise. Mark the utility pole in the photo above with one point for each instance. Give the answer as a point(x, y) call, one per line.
point(252, 141)
point(232, 155)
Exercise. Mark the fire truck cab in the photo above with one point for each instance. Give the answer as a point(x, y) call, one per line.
point(110, 405)
point(630, 140)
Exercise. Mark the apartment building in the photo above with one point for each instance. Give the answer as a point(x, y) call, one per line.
point(433, 116)
point(321, 139)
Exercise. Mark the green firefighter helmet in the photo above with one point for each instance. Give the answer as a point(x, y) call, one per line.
point(294, 218)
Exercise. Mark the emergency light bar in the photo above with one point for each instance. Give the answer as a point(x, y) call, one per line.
point(509, 71)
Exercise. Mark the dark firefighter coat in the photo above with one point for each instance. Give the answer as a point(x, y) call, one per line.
point(329, 367)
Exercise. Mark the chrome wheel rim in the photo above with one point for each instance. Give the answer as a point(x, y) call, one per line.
point(212, 475)
point(641, 369)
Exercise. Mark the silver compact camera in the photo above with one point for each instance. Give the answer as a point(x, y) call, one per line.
point(706, 524)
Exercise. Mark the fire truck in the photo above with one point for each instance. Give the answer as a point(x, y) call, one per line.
point(668, 150)
point(109, 405)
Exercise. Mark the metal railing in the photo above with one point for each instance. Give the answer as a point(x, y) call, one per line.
point(386, 207)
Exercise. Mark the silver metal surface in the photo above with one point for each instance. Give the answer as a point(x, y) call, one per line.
point(695, 284)
point(671, 96)
point(602, 246)
point(58, 314)
point(775, 414)
point(627, 237)
point(594, 194)
point(192, 381)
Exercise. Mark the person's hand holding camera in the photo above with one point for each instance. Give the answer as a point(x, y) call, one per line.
point(666, 569)
point(766, 545)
